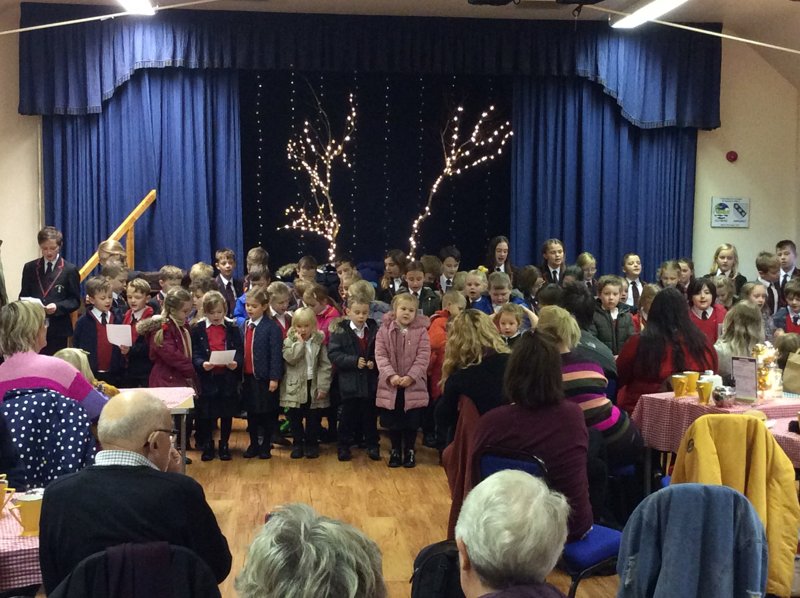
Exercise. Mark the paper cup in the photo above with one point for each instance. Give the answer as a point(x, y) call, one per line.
point(691, 381)
point(704, 390)
point(679, 384)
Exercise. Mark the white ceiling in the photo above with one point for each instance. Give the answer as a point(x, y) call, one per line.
point(771, 21)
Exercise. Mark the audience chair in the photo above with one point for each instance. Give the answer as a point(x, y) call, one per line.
point(51, 432)
point(595, 552)
point(694, 541)
point(739, 451)
point(148, 570)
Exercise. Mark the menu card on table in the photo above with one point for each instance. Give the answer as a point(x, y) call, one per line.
point(746, 377)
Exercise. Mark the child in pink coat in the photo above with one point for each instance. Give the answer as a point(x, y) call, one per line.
point(402, 353)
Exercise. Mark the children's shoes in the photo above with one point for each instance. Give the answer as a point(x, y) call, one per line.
point(224, 452)
point(374, 453)
point(297, 452)
point(394, 459)
point(251, 451)
point(208, 452)
point(409, 460)
point(344, 454)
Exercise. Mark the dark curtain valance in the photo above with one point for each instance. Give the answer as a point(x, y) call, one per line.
point(659, 76)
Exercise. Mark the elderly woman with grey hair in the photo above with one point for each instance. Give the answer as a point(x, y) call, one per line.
point(510, 533)
point(300, 554)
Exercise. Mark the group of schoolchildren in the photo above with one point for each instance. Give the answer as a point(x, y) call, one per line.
point(297, 355)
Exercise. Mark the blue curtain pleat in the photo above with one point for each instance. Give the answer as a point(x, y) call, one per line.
point(659, 76)
point(173, 130)
point(585, 175)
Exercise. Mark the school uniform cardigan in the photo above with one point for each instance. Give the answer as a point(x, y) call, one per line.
point(267, 349)
point(710, 327)
point(85, 338)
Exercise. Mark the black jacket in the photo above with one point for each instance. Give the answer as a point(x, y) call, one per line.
point(102, 506)
point(63, 289)
point(343, 351)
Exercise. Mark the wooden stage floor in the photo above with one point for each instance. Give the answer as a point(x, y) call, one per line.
point(403, 510)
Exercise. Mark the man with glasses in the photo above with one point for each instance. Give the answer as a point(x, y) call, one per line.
point(133, 493)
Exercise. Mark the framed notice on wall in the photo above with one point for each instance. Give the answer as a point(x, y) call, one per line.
point(730, 212)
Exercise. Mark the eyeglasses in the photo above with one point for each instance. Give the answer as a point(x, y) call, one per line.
point(172, 434)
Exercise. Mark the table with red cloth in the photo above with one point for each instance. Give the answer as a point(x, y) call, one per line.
point(19, 556)
point(663, 419)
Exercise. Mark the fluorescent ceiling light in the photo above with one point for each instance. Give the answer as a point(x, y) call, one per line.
point(648, 12)
point(138, 7)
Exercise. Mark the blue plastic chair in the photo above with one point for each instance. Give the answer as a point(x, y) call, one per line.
point(596, 551)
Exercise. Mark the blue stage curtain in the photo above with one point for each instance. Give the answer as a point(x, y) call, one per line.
point(659, 76)
point(582, 173)
point(173, 130)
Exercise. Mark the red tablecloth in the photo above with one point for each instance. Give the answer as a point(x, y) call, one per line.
point(662, 420)
point(19, 557)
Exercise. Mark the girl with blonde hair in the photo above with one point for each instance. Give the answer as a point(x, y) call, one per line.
point(78, 358)
point(170, 341)
point(474, 364)
point(306, 383)
point(726, 263)
point(742, 329)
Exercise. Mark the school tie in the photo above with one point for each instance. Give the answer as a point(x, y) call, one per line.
point(251, 325)
point(783, 282)
point(49, 269)
point(230, 297)
point(635, 289)
point(770, 299)
point(796, 320)
point(104, 318)
point(498, 269)
point(416, 294)
point(448, 283)
point(705, 315)
point(555, 276)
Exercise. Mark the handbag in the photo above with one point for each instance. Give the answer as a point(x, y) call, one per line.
point(791, 373)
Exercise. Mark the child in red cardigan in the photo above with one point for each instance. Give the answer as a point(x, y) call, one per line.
point(704, 311)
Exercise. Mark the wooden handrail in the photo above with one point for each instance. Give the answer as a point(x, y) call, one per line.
point(126, 228)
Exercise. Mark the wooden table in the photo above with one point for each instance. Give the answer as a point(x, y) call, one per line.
point(180, 402)
point(19, 556)
point(663, 419)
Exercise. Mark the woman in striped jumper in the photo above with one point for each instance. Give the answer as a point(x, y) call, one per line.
point(585, 384)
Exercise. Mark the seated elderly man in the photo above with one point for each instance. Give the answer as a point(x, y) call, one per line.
point(132, 493)
point(510, 533)
point(299, 554)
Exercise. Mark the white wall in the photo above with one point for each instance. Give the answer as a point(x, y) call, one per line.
point(19, 162)
point(759, 111)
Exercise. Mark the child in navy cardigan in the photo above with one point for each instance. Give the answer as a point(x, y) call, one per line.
point(219, 384)
point(91, 336)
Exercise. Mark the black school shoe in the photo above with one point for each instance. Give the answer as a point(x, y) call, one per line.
point(224, 452)
point(208, 452)
point(409, 460)
point(429, 440)
point(264, 452)
point(297, 452)
point(252, 451)
point(394, 459)
point(345, 454)
point(311, 452)
point(374, 453)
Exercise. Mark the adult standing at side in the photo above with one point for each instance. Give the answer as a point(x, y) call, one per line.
point(56, 283)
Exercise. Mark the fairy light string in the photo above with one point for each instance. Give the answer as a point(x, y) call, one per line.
point(484, 144)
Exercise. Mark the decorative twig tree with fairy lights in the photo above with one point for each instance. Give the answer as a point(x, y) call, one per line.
point(315, 152)
point(483, 145)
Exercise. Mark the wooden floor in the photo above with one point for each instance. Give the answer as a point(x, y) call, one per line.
point(401, 509)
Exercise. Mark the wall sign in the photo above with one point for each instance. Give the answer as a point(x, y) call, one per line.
point(730, 212)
